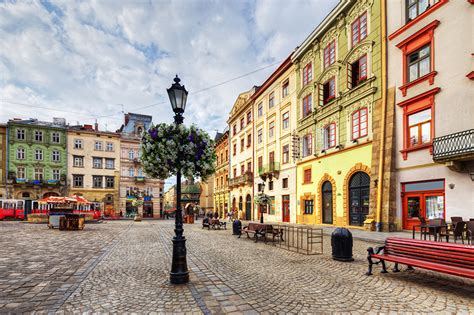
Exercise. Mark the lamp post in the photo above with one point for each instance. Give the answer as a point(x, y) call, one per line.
point(179, 268)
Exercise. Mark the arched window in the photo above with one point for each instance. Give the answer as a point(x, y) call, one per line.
point(240, 203)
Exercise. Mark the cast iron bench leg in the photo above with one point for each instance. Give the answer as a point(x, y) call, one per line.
point(395, 268)
point(370, 251)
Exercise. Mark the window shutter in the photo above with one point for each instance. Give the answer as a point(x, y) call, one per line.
point(349, 76)
point(321, 94)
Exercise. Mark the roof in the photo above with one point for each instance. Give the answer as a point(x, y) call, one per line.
point(321, 28)
point(191, 189)
point(56, 123)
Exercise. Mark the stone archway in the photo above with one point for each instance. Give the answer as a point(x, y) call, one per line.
point(359, 167)
point(327, 178)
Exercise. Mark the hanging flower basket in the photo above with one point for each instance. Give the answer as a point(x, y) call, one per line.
point(167, 148)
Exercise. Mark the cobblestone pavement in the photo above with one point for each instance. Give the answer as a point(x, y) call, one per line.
point(124, 266)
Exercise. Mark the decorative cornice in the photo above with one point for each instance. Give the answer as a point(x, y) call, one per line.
point(358, 50)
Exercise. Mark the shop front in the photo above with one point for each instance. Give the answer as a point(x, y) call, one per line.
point(147, 207)
point(422, 199)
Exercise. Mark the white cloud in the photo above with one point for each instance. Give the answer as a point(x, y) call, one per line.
point(87, 57)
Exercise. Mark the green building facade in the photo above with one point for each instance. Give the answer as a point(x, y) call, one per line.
point(37, 156)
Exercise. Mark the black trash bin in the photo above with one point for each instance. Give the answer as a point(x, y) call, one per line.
point(341, 242)
point(237, 227)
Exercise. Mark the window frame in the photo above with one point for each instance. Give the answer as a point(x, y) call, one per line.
point(418, 13)
point(53, 156)
point(308, 206)
point(21, 131)
point(97, 177)
point(330, 83)
point(358, 112)
point(78, 144)
point(271, 100)
point(285, 156)
point(285, 121)
point(23, 172)
point(260, 109)
point(309, 145)
point(38, 134)
point(40, 153)
point(307, 102)
point(107, 181)
point(420, 129)
point(20, 151)
point(75, 177)
point(329, 54)
point(54, 172)
point(285, 88)
point(53, 136)
point(329, 136)
point(307, 73)
point(417, 63)
point(358, 29)
point(271, 129)
point(79, 158)
point(260, 135)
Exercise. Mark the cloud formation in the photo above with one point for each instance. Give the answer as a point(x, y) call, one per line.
point(80, 60)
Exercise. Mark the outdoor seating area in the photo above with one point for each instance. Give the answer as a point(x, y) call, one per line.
point(214, 224)
point(262, 231)
point(457, 229)
point(454, 259)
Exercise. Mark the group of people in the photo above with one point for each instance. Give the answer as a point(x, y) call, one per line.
point(231, 215)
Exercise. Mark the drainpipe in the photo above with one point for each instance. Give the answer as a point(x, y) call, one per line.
point(383, 18)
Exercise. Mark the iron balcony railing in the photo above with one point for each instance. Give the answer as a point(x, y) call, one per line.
point(246, 178)
point(270, 168)
point(456, 146)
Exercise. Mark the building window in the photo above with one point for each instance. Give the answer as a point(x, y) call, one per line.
point(97, 162)
point(97, 181)
point(110, 164)
point(260, 163)
point(140, 172)
point(56, 156)
point(98, 146)
point(249, 117)
point(109, 146)
point(329, 136)
point(358, 71)
point(234, 129)
point(307, 176)
point(242, 144)
point(20, 134)
point(307, 145)
point(226, 155)
point(56, 174)
point(270, 185)
point(271, 129)
point(21, 172)
point(55, 137)
point(78, 144)
point(419, 128)
point(284, 89)
point(109, 182)
point(131, 172)
point(242, 169)
point(307, 74)
point(359, 123)
point(260, 136)
point(249, 166)
point(308, 206)
point(330, 54)
point(359, 29)
point(20, 153)
point(271, 100)
point(38, 136)
point(249, 140)
point(307, 106)
point(286, 153)
point(419, 63)
point(415, 8)
point(131, 154)
point(242, 123)
point(286, 120)
point(329, 90)
point(39, 155)
point(78, 161)
point(260, 109)
point(38, 173)
point(235, 172)
point(234, 149)
point(78, 180)
point(271, 157)
point(284, 183)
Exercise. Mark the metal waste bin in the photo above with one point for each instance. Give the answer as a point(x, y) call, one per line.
point(237, 227)
point(341, 242)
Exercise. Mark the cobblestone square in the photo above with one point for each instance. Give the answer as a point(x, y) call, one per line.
point(123, 266)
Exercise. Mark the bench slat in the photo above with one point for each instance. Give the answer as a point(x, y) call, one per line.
point(430, 244)
point(440, 255)
point(457, 271)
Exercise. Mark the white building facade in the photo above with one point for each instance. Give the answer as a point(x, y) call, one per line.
point(430, 65)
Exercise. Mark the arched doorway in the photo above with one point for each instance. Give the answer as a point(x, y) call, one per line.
point(326, 192)
point(240, 203)
point(359, 191)
point(248, 208)
point(50, 194)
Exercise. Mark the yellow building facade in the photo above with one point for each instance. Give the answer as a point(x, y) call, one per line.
point(221, 177)
point(93, 166)
point(338, 70)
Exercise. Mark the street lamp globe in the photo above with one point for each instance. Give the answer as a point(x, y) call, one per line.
point(178, 96)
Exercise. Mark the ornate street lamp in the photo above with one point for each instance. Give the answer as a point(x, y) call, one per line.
point(179, 268)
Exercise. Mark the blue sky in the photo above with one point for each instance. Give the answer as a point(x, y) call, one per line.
point(85, 60)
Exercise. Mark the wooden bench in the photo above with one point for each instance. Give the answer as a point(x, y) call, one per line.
point(453, 259)
point(260, 230)
point(214, 224)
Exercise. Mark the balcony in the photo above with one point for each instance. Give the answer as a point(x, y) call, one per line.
point(244, 179)
point(454, 149)
point(139, 178)
point(272, 168)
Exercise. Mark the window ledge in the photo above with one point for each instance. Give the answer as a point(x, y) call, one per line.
point(308, 183)
point(417, 19)
point(430, 77)
point(404, 152)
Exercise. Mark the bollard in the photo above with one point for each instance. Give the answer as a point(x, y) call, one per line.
point(341, 242)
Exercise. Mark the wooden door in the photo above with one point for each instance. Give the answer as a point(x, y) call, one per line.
point(413, 208)
point(285, 208)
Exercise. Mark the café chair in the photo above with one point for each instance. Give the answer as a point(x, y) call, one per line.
point(470, 231)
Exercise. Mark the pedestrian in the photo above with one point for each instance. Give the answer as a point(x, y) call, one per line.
point(216, 215)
